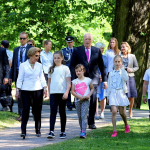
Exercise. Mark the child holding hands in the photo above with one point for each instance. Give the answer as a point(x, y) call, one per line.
point(82, 89)
point(116, 93)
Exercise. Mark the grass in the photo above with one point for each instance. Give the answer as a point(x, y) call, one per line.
point(137, 139)
point(7, 119)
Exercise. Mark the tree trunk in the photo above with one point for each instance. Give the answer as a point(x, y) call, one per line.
point(132, 24)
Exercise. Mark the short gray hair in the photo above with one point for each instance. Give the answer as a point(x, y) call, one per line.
point(88, 34)
point(99, 45)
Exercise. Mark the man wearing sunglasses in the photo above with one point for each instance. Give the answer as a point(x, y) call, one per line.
point(19, 56)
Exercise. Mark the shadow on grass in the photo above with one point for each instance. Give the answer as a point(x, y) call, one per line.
point(137, 139)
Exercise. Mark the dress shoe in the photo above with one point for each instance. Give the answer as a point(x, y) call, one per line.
point(19, 118)
point(70, 108)
point(38, 133)
point(23, 135)
point(92, 126)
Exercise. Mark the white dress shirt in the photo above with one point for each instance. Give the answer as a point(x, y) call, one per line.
point(31, 79)
point(89, 52)
point(46, 60)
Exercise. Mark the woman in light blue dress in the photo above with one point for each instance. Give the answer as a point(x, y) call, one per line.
point(101, 93)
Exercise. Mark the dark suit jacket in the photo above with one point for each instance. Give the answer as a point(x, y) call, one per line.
point(4, 65)
point(13, 72)
point(96, 61)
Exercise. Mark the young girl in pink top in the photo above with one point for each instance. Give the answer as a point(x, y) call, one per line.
point(82, 89)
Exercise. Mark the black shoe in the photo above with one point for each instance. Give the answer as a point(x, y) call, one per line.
point(23, 135)
point(38, 133)
point(70, 108)
point(62, 135)
point(92, 126)
point(51, 135)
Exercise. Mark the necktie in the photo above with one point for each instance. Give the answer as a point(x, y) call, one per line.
point(87, 53)
point(71, 51)
point(21, 53)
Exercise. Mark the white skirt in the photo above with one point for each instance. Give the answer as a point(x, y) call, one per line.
point(118, 98)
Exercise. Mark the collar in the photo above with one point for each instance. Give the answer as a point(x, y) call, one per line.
point(69, 48)
point(45, 52)
point(24, 45)
point(117, 70)
point(88, 48)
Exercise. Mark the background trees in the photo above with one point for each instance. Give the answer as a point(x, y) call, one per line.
point(54, 19)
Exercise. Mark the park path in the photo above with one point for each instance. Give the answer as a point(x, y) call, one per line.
point(10, 138)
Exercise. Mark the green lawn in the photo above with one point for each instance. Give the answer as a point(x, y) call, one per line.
point(100, 139)
point(7, 119)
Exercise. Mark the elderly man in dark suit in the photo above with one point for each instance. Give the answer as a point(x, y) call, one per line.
point(91, 58)
point(19, 56)
point(4, 74)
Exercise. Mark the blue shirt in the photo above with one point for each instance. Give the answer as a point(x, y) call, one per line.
point(23, 55)
point(110, 59)
point(9, 54)
point(46, 60)
point(117, 80)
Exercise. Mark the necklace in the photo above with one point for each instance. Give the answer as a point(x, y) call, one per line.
point(32, 65)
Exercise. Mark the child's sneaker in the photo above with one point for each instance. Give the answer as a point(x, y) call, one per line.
point(80, 133)
point(51, 135)
point(83, 134)
point(127, 129)
point(114, 134)
point(62, 135)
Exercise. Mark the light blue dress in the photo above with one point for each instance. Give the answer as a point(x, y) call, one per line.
point(101, 93)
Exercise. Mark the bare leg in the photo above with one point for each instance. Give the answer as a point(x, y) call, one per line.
point(131, 99)
point(103, 104)
point(96, 113)
point(125, 110)
point(123, 115)
point(114, 112)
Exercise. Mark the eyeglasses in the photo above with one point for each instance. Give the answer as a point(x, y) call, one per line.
point(37, 55)
point(23, 38)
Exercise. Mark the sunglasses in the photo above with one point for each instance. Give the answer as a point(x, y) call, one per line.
point(23, 38)
point(30, 44)
point(37, 55)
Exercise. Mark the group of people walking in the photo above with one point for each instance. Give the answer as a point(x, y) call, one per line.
point(94, 77)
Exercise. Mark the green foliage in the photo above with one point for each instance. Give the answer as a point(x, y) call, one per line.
point(54, 19)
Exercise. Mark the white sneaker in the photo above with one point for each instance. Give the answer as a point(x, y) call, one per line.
point(102, 117)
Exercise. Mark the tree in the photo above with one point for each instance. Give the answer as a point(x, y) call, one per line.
point(132, 24)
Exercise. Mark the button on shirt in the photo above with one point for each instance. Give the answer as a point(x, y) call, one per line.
point(23, 55)
point(89, 52)
point(47, 60)
point(117, 80)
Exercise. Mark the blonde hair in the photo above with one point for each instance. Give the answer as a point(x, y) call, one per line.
point(32, 41)
point(117, 56)
point(127, 45)
point(45, 42)
point(24, 33)
point(116, 46)
point(99, 45)
point(32, 51)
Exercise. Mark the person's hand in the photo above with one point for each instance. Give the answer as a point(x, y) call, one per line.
point(5, 81)
point(10, 81)
point(87, 97)
point(107, 101)
point(128, 70)
point(105, 85)
point(45, 93)
point(82, 98)
point(122, 66)
point(100, 78)
point(17, 94)
point(65, 96)
point(144, 100)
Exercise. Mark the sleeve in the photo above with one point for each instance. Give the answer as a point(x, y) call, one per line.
point(67, 72)
point(73, 63)
point(73, 81)
point(20, 76)
point(124, 75)
point(5, 64)
point(135, 64)
point(42, 78)
point(49, 75)
point(109, 85)
point(146, 78)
